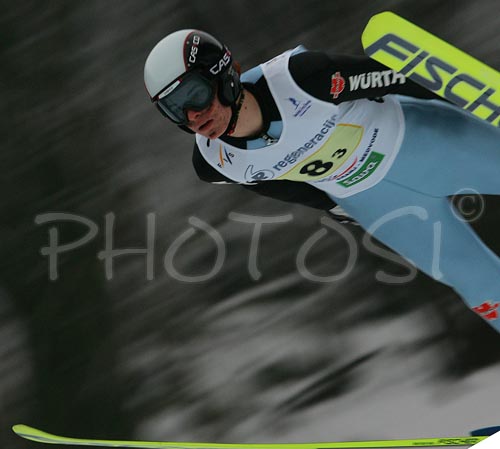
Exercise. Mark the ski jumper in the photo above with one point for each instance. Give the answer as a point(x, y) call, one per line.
point(390, 163)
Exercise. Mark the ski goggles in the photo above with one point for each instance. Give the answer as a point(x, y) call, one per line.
point(190, 91)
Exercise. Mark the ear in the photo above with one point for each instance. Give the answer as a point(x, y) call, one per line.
point(237, 67)
point(229, 87)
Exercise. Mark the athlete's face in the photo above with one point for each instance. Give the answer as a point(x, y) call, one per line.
point(212, 121)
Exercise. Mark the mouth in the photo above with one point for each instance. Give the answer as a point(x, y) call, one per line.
point(205, 125)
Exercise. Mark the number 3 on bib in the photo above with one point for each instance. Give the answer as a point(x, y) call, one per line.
point(330, 157)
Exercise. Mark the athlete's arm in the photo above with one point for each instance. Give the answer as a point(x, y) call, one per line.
point(293, 192)
point(289, 191)
point(354, 77)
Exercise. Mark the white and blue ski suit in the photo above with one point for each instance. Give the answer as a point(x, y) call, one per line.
point(348, 131)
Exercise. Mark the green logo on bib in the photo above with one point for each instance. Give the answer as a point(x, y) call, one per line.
point(365, 171)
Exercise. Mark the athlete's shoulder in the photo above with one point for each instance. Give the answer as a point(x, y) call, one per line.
point(305, 62)
point(252, 76)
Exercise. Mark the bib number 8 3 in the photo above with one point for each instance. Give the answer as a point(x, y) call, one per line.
point(318, 167)
point(330, 156)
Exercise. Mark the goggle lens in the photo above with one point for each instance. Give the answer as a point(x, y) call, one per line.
point(190, 92)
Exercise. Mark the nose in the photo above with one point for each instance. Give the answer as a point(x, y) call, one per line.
point(193, 115)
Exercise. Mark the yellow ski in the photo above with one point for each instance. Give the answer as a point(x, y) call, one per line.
point(434, 64)
point(40, 436)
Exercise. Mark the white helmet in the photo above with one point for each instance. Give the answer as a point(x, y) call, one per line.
point(185, 70)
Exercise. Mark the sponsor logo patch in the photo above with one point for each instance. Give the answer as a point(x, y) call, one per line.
point(301, 107)
point(224, 157)
point(253, 175)
point(338, 85)
point(487, 310)
point(373, 80)
point(292, 157)
point(366, 170)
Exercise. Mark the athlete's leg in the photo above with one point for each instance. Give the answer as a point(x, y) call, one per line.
point(446, 151)
point(426, 231)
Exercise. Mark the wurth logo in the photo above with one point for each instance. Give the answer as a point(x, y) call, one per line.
point(375, 79)
point(488, 310)
point(338, 85)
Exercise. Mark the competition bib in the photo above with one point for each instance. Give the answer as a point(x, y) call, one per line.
point(340, 149)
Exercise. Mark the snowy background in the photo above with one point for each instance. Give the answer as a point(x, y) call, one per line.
point(236, 356)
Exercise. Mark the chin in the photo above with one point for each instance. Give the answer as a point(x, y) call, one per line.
point(216, 133)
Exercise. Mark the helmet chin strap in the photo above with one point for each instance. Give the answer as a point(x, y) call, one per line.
point(235, 108)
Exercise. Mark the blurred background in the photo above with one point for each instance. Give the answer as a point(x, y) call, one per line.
point(190, 343)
